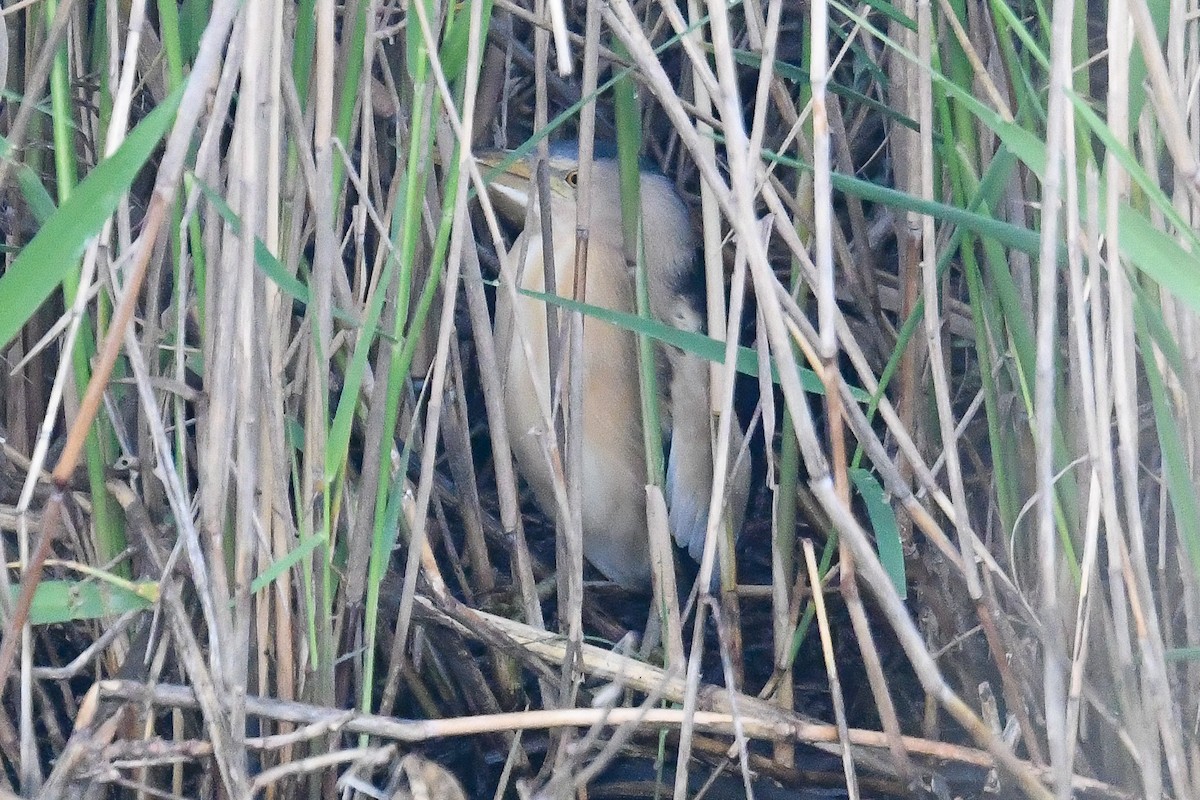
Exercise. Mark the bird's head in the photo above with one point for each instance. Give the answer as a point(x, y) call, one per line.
point(511, 183)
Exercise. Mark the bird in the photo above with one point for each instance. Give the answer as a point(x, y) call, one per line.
point(615, 538)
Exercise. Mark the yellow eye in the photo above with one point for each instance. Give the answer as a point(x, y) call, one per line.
point(572, 178)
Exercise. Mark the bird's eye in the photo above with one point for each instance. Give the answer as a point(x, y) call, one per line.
point(572, 178)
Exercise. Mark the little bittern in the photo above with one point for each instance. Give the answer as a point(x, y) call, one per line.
point(614, 469)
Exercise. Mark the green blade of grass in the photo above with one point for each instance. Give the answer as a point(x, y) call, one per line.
point(44, 262)
point(695, 343)
point(1153, 335)
point(67, 601)
point(883, 522)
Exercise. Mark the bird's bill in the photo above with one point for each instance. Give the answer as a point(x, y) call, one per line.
point(509, 182)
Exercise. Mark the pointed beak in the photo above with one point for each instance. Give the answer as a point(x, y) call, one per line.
point(509, 180)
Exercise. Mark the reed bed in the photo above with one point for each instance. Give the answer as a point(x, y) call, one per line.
point(263, 529)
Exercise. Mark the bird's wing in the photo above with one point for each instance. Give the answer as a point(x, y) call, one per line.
point(690, 462)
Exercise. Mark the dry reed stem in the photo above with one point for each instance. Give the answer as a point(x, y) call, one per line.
point(317, 719)
point(835, 684)
point(1139, 615)
point(168, 178)
point(741, 216)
